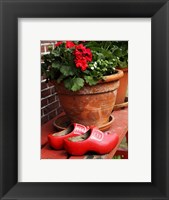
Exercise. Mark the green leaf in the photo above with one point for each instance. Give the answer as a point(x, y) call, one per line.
point(60, 79)
point(87, 71)
point(44, 66)
point(122, 64)
point(50, 48)
point(66, 70)
point(56, 53)
point(90, 80)
point(56, 65)
point(118, 52)
point(74, 84)
point(50, 75)
point(77, 84)
point(68, 83)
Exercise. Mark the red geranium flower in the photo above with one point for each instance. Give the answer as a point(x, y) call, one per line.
point(88, 54)
point(78, 54)
point(80, 47)
point(58, 44)
point(81, 64)
point(82, 56)
point(69, 44)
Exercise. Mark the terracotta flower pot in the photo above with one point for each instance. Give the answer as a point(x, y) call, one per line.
point(92, 105)
point(121, 93)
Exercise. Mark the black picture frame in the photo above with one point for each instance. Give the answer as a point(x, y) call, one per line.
point(10, 11)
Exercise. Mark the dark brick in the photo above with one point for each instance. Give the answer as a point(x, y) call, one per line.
point(51, 107)
point(53, 90)
point(42, 49)
point(52, 114)
point(51, 84)
point(60, 110)
point(57, 97)
point(43, 102)
point(43, 85)
point(45, 93)
point(44, 119)
point(43, 77)
point(42, 112)
point(52, 99)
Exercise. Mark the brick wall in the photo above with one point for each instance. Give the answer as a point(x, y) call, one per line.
point(50, 105)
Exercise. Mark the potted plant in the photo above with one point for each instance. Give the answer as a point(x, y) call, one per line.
point(86, 79)
point(120, 50)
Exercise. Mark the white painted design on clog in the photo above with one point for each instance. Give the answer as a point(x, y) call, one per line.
point(79, 129)
point(97, 135)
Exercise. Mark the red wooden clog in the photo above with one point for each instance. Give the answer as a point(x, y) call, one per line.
point(56, 139)
point(93, 140)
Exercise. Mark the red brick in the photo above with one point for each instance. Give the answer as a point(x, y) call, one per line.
point(42, 49)
point(51, 99)
point(43, 103)
point(43, 85)
point(44, 119)
point(51, 84)
point(53, 90)
point(57, 98)
point(51, 107)
point(45, 93)
point(52, 114)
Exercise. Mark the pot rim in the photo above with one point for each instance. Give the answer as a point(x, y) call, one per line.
point(125, 69)
point(112, 77)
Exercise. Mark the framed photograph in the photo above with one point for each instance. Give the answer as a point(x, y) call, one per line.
point(35, 35)
point(83, 99)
